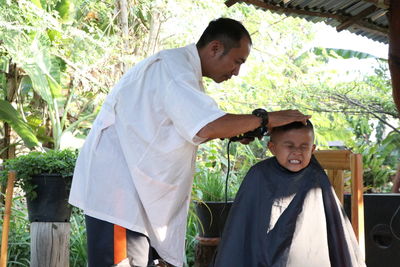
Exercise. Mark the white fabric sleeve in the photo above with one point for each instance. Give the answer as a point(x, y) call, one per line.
point(189, 108)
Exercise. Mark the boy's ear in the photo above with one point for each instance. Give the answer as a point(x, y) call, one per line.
point(271, 147)
point(313, 148)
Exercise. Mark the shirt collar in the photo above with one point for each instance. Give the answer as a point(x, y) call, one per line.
point(195, 59)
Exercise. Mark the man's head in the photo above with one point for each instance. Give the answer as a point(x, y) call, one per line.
point(292, 145)
point(223, 47)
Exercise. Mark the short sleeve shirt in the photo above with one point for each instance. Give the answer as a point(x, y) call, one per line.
point(137, 164)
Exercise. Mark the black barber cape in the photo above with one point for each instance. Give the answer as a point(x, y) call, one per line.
point(282, 218)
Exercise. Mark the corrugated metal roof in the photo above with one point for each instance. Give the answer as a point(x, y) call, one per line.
point(363, 17)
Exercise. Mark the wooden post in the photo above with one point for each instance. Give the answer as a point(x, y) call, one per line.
point(396, 181)
point(357, 199)
point(394, 49)
point(6, 218)
point(50, 244)
point(205, 249)
point(336, 177)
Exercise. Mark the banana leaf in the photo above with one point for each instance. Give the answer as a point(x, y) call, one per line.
point(10, 115)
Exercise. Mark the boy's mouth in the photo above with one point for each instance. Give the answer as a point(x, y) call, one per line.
point(294, 161)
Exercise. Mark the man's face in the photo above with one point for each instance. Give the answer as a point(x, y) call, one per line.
point(222, 67)
point(293, 149)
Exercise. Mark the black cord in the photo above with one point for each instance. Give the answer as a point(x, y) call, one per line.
point(224, 208)
point(227, 174)
point(391, 223)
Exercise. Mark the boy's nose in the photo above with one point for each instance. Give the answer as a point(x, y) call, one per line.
point(297, 150)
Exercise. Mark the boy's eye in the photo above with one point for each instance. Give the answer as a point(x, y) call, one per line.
point(301, 148)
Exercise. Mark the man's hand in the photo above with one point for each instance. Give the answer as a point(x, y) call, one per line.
point(283, 117)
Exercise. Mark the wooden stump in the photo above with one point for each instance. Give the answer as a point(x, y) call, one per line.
point(205, 249)
point(50, 244)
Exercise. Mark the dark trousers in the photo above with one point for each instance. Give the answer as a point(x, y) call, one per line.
point(112, 245)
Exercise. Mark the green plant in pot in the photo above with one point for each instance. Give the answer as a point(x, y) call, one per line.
point(210, 189)
point(212, 203)
point(45, 178)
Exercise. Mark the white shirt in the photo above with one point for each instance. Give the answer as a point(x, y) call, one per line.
point(136, 167)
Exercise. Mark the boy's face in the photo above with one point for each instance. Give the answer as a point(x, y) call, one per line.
point(293, 149)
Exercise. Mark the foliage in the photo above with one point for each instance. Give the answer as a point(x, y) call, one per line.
point(213, 169)
point(340, 53)
point(18, 237)
point(379, 160)
point(376, 173)
point(78, 254)
point(51, 162)
point(191, 233)
point(210, 186)
point(50, 53)
point(10, 115)
point(209, 182)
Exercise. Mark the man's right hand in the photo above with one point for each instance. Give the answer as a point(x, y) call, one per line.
point(283, 117)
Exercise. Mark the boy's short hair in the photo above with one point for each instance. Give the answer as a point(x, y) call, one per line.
point(228, 31)
point(291, 126)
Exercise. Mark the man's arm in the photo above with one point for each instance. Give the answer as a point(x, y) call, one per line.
point(231, 125)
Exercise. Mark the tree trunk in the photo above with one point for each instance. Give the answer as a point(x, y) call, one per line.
point(122, 9)
point(155, 25)
point(50, 244)
point(13, 80)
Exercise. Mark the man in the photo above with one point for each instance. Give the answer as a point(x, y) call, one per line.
point(134, 174)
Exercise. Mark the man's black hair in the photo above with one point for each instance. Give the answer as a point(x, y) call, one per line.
point(228, 31)
point(292, 126)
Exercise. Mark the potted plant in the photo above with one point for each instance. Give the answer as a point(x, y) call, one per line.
point(213, 202)
point(45, 178)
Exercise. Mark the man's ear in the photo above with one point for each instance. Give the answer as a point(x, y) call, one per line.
point(271, 147)
point(216, 48)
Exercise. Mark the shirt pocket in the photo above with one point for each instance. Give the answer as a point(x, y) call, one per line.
point(159, 199)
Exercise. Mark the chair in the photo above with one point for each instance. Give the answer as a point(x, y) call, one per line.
point(335, 162)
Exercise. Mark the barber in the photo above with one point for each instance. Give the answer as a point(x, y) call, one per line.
point(134, 174)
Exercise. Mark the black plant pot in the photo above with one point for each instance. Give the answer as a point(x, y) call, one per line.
point(51, 203)
point(212, 217)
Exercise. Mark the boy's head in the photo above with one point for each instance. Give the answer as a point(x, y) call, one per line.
point(292, 145)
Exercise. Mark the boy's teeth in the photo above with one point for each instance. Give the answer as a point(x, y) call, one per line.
point(293, 161)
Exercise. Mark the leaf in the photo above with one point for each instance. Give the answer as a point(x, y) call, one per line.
point(26, 85)
point(343, 53)
point(64, 8)
point(53, 35)
point(11, 116)
point(37, 3)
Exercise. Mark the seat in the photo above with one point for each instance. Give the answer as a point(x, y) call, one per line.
point(335, 162)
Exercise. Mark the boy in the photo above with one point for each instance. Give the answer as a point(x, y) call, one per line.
point(286, 213)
